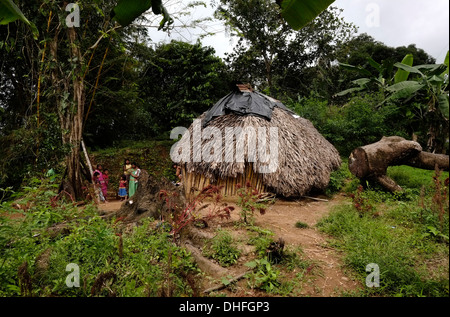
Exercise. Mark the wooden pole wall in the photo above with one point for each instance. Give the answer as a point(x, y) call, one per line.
point(194, 183)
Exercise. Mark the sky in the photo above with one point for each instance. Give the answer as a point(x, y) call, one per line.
point(393, 22)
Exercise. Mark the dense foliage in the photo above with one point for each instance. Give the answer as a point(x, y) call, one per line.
point(135, 90)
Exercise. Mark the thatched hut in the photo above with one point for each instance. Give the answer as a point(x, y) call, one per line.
point(250, 137)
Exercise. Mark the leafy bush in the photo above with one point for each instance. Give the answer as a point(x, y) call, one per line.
point(143, 262)
point(264, 276)
point(357, 123)
point(339, 179)
point(261, 241)
point(222, 249)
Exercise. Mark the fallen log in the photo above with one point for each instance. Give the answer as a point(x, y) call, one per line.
point(207, 266)
point(230, 282)
point(370, 162)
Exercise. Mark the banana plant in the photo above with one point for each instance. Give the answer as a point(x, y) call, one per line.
point(9, 12)
point(382, 80)
point(431, 80)
point(429, 84)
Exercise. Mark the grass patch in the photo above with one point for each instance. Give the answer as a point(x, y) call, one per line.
point(110, 264)
point(397, 250)
point(223, 249)
point(405, 233)
point(413, 178)
point(301, 225)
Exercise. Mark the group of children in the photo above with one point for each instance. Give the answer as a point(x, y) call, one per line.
point(129, 180)
point(127, 185)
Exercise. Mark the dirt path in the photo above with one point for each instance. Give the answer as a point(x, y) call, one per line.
point(281, 219)
point(111, 205)
point(330, 279)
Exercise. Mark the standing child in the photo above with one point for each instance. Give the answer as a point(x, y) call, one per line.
point(98, 187)
point(135, 173)
point(106, 179)
point(101, 181)
point(123, 187)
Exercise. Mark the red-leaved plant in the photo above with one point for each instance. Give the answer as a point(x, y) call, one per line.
point(181, 216)
point(361, 203)
point(249, 201)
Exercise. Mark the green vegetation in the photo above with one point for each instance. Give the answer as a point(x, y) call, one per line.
point(222, 249)
point(358, 122)
point(404, 234)
point(264, 275)
point(341, 180)
point(123, 94)
point(301, 225)
point(142, 262)
point(153, 156)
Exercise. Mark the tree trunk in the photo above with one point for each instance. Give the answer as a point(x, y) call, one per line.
point(372, 161)
point(73, 118)
point(70, 112)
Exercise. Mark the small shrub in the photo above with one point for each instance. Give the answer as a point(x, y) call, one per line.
point(361, 203)
point(249, 203)
point(301, 225)
point(338, 179)
point(261, 243)
point(222, 249)
point(264, 276)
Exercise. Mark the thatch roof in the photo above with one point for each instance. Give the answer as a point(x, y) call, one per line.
point(304, 162)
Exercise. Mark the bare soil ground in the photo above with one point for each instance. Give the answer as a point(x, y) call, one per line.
point(281, 218)
point(328, 277)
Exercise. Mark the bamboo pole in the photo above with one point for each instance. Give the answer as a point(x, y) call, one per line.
point(83, 146)
point(38, 100)
point(96, 81)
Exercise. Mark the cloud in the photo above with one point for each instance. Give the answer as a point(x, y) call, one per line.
point(403, 22)
point(400, 23)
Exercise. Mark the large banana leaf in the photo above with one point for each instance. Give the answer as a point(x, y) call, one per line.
point(432, 69)
point(402, 75)
point(348, 91)
point(356, 69)
point(404, 89)
point(9, 12)
point(409, 69)
point(446, 62)
point(126, 11)
point(375, 65)
point(298, 13)
point(443, 105)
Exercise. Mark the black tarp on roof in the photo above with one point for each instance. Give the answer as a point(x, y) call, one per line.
point(244, 103)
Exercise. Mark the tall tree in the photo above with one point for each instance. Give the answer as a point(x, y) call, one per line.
point(269, 46)
point(178, 82)
point(63, 78)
